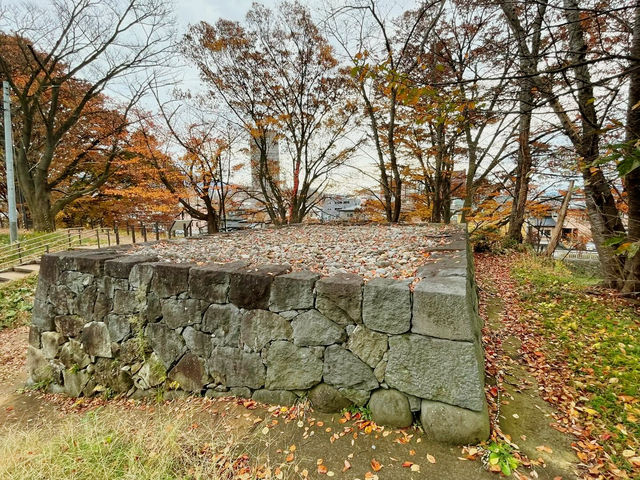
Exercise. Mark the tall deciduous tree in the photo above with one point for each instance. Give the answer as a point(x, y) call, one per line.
point(59, 60)
point(278, 76)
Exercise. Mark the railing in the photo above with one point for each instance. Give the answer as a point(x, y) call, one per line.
point(27, 251)
point(575, 255)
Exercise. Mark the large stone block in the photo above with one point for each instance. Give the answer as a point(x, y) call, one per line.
point(121, 267)
point(119, 326)
point(343, 369)
point(167, 343)
point(312, 328)
point(152, 373)
point(181, 312)
point(189, 373)
point(234, 368)
point(111, 374)
point(339, 298)
point(211, 282)
point(39, 368)
point(327, 399)
point(250, 287)
point(368, 345)
point(260, 327)
point(292, 368)
point(76, 281)
point(450, 424)
point(74, 382)
point(198, 342)
point(69, 325)
point(443, 308)
point(93, 262)
point(390, 408)
point(223, 322)
point(170, 279)
point(43, 314)
point(125, 302)
point(72, 355)
point(96, 339)
point(293, 291)
point(386, 306)
point(141, 275)
point(51, 342)
point(436, 369)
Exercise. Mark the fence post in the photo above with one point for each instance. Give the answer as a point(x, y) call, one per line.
point(46, 248)
point(108, 237)
point(98, 236)
point(157, 232)
point(19, 252)
point(79, 236)
point(115, 230)
point(69, 238)
point(133, 233)
point(186, 230)
point(144, 231)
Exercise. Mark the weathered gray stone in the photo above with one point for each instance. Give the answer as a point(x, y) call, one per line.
point(211, 282)
point(390, 408)
point(339, 298)
point(74, 382)
point(343, 369)
point(290, 314)
point(121, 267)
point(110, 285)
point(132, 350)
point(293, 291)
point(260, 327)
point(358, 397)
point(151, 308)
point(275, 397)
point(443, 308)
point(450, 424)
point(92, 262)
point(96, 339)
point(170, 279)
point(87, 301)
point(167, 343)
point(42, 314)
point(198, 342)
point(119, 326)
point(313, 328)
point(436, 369)
point(111, 374)
point(234, 368)
point(64, 302)
point(125, 302)
point(69, 325)
point(39, 368)
point(189, 373)
point(152, 373)
point(380, 370)
point(223, 321)
point(72, 355)
point(141, 275)
point(250, 287)
point(240, 392)
point(386, 305)
point(327, 399)
point(35, 336)
point(368, 345)
point(414, 402)
point(75, 281)
point(181, 312)
point(292, 368)
point(51, 342)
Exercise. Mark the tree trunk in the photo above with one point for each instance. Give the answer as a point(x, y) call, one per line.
point(556, 234)
point(39, 203)
point(632, 180)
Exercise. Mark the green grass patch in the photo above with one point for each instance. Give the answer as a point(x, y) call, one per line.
point(598, 334)
point(16, 302)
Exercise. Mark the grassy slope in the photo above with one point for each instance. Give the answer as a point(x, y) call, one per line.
point(598, 333)
point(16, 301)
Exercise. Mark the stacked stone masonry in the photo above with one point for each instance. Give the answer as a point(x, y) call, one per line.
point(110, 321)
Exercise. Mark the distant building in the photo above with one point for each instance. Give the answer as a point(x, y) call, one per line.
point(338, 208)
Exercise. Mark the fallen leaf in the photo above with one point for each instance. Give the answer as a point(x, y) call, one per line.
point(322, 469)
point(376, 465)
point(431, 458)
point(544, 448)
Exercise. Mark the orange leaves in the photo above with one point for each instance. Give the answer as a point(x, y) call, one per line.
point(376, 465)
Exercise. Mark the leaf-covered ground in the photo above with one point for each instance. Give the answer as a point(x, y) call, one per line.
point(580, 343)
point(16, 301)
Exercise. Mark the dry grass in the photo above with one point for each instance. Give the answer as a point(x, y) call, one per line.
point(169, 442)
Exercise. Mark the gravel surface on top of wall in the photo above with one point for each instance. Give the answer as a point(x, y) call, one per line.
point(366, 250)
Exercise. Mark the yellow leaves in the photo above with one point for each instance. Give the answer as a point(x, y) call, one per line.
point(544, 448)
point(431, 458)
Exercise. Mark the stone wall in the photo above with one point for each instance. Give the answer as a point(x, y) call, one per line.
point(109, 321)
